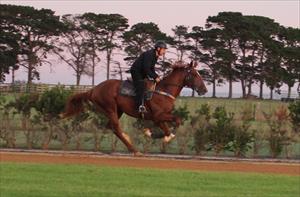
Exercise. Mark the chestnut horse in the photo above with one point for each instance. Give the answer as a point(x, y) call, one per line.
point(107, 100)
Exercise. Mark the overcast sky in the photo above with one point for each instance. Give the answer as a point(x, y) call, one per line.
point(166, 14)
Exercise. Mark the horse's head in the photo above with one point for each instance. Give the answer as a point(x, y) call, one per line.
point(192, 78)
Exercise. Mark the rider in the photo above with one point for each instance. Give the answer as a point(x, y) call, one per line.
point(142, 68)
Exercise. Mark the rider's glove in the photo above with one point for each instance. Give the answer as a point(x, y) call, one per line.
point(157, 79)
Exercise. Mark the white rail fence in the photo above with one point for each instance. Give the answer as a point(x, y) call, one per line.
point(39, 88)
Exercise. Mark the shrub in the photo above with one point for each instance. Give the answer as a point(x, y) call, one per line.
point(24, 106)
point(243, 137)
point(200, 124)
point(278, 136)
point(25, 103)
point(221, 131)
point(295, 115)
point(204, 110)
point(182, 112)
point(97, 124)
point(6, 132)
point(183, 134)
point(50, 104)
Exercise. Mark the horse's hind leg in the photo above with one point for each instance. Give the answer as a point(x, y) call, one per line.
point(115, 125)
point(113, 116)
point(167, 117)
point(108, 125)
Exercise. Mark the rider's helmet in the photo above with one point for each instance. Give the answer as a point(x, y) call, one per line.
point(160, 44)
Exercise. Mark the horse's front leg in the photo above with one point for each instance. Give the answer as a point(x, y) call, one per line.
point(177, 121)
point(167, 131)
point(161, 119)
point(166, 134)
point(167, 117)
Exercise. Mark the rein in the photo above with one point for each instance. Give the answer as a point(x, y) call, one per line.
point(170, 84)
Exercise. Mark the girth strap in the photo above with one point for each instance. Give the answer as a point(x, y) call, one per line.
point(165, 94)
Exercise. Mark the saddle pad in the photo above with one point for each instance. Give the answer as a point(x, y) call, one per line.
point(127, 89)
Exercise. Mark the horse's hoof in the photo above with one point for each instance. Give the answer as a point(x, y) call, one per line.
point(138, 154)
point(147, 132)
point(167, 139)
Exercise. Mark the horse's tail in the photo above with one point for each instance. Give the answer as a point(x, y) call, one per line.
point(74, 104)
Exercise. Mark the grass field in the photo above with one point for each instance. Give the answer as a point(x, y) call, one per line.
point(53, 180)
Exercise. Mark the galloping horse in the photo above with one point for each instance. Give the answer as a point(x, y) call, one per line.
point(106, 99)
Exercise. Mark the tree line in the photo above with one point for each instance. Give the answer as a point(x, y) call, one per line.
point(231, 47)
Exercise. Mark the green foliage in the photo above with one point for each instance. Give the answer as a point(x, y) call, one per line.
point(213, 131)
point(180, 41)
point(27, 31)
point(241, 142)
point(2, 101)
point(200, 122)
point(219, 131)
point(278, 137)
point(191, 137)
point(141, 37)
point(25, 103)
point(6, 134)
point(8, 51)
point(182, 112)
point(222, 130)
point(98, 119)
point(243, 137)
point(51, 103)
point(290, 54)
point(183, 135)
point(233, 46)
point(295, 115)
point(204, 110)
point(104, 33)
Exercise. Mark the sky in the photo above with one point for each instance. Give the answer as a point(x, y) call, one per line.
point(167, 14)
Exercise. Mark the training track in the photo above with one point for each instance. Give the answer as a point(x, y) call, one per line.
point(158, 161)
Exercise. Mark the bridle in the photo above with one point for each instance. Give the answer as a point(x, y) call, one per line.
point(188, 79)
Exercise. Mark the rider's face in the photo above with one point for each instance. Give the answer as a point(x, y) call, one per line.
point(161, 51)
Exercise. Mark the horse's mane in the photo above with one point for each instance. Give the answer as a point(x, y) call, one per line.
point(177, 66)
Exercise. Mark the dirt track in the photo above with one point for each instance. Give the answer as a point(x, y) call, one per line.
point(196, 165)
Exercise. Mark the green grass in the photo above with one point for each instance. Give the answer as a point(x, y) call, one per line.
point(51, 180)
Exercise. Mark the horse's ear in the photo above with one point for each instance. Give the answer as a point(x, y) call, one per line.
point(193, 63)
point(178, 64)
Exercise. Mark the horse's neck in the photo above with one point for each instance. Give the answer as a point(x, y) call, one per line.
point(172, 84)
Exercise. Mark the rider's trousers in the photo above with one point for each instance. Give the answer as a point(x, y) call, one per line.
point(139, 86)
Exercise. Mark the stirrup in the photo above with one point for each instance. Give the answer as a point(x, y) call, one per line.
point(142, 109)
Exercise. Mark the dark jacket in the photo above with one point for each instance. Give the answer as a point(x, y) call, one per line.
point(144, 64)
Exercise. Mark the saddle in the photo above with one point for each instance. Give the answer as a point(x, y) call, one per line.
point(127, 89)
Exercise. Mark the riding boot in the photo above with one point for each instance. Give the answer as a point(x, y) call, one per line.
point(139, 85)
